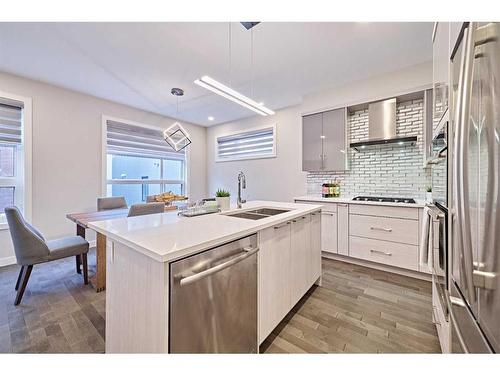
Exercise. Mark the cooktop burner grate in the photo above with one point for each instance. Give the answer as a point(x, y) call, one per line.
point(384, 199)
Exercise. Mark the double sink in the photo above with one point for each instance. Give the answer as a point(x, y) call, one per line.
point(260, 213)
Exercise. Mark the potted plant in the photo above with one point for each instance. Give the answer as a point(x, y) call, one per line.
point(428, 195)
point(222, 198)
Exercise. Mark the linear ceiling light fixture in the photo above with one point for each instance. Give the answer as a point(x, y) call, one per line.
point(228, 93)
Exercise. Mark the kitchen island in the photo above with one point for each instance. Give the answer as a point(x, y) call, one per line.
point(141, 251)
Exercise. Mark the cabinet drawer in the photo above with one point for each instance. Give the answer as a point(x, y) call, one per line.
point(390, 253)
point(384, 228)
point(387, 211)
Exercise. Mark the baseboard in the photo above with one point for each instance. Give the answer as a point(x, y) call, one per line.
point(378, 266)
point(7, 261)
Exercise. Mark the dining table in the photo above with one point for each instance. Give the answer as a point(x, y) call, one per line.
point(98, 281)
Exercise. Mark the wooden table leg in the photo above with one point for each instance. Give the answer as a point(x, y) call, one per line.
point(80, 231)
point(99, 279)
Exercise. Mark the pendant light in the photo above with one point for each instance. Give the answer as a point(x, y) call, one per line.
point(175, 135)
point(231, 94)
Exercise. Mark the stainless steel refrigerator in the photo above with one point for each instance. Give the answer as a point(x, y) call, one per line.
point(474, 294)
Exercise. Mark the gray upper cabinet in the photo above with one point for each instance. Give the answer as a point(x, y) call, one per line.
point(324, 141)
point(440, 70)
point(312, 143)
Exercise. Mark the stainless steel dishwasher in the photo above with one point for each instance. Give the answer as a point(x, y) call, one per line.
point(213, 300)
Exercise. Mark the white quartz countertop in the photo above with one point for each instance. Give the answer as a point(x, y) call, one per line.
point(316, 198)
point(167, 236)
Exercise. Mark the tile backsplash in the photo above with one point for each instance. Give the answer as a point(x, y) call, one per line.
point(384, 170)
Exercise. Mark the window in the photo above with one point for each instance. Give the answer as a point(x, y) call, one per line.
point(251, 144)
point(11, 157)
point(141, 163)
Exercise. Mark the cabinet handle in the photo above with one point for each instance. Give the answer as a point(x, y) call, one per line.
point(282, 225)
point(327, 213)
point(380, 252)
point(383, 229)
point(298, 219)
point(342, 204)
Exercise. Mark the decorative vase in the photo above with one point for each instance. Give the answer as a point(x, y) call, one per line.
point(428, 197)
point(223, 202)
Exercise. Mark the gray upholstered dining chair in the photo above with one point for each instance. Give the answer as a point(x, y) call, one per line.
point(111, 203)
point(31, 248)
point(146, 209)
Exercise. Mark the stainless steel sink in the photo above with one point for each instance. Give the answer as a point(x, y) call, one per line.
point(247, 215)
point(260, 213)
point(268, 211)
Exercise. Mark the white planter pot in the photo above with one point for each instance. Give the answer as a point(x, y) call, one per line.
point(428, 197)
point(223, 202)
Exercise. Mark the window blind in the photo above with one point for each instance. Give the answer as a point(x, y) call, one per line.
point(126, 139)
point(246, 145)
point(10, 124)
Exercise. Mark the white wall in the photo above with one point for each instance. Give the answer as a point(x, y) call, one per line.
point(281, 178)
point(67, 153)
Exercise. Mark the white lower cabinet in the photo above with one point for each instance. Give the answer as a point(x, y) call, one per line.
point(315, 248)
point(289, 264)
point(343, 229)
point(300, 257)
point(329, 231)
point(274, 276)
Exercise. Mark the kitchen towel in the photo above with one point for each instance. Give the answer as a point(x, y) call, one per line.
point(425, 242)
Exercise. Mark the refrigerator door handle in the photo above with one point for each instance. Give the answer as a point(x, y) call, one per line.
point(462, 217)
point(463, 119)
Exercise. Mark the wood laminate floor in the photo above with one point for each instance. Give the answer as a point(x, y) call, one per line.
point(357, 310)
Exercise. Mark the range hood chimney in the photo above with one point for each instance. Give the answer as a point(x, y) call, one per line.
point(382, 125)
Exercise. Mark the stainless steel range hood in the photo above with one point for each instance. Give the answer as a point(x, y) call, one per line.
point(382, 125)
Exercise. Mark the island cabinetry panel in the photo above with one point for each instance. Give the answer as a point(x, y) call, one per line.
point(289, 264)
point(300, 257)
point(136, 302)
point(274, 277)
point(315, 248)
point(343, 229)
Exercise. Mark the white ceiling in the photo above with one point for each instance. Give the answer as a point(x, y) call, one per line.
point(138, 63)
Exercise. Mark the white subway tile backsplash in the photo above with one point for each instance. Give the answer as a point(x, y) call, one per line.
point(382, 170)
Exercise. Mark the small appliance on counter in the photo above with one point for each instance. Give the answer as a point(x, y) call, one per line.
point(330, 189)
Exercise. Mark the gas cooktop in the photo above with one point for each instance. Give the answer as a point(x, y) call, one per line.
point(384, 199)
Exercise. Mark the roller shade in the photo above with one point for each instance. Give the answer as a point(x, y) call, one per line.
point(246, 145)
point(10, 124)
point(126, 139)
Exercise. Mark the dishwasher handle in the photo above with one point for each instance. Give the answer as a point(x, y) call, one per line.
point(247, 252)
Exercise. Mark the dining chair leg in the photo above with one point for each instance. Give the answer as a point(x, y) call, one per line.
point(85, 269)
point(78, 263)
point(26, 276)
point(19, 277)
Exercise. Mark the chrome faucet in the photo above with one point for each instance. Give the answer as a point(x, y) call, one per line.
point(241, 184)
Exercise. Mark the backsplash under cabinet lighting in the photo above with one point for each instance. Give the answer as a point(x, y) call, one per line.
point(382, 170)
